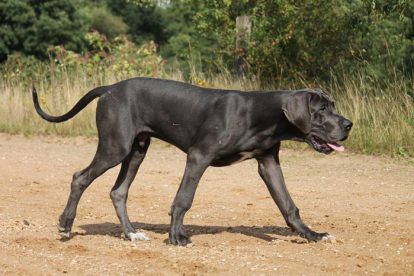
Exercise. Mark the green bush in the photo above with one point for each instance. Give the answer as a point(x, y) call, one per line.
point(30, 27)
point(315, 38)
point(101, 19)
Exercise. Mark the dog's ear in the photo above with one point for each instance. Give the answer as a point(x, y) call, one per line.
point(297, 110)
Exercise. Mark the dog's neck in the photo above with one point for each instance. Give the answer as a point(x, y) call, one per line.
point(271, 116)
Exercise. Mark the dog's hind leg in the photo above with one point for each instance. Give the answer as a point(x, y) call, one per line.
point(119, 193)
point(108, 155)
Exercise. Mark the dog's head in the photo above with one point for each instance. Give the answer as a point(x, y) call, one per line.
point(313, 113)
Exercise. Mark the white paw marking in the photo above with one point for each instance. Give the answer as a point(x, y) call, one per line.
point(328, 238)
point(65, 234)
point(138, 236)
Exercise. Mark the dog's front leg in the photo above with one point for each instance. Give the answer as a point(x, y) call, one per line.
point(269, 170)
point(196, 164)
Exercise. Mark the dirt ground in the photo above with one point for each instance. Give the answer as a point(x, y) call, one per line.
point(366, 202)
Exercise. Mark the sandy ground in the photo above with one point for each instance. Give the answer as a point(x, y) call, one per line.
point(366, 202)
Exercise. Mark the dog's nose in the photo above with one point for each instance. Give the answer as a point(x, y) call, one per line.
point(348, 124)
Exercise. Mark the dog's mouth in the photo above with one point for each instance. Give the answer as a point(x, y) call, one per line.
point(323, 146)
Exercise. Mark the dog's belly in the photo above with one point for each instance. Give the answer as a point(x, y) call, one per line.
point(232, 159)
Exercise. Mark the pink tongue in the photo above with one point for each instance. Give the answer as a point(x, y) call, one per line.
point(336, 147)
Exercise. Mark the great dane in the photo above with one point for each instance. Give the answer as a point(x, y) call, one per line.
point(214, 127)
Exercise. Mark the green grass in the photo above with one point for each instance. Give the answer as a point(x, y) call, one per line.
point(383, 114)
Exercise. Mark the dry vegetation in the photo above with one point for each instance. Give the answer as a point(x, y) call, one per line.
point(383, 115)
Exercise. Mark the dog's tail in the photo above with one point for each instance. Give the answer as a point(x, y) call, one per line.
point(81, 104)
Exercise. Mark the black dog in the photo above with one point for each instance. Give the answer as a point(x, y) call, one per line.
point(214, 127)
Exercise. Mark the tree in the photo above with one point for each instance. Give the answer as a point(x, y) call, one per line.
point(145, 22)
point(185, 44)
point(314, 38)
point(101, 19)
point(30, 26)
point(16, 25)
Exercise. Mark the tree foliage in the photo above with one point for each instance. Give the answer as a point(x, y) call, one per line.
point(309, 39)
point(31, 26)
point(100, 18)
point(314, 38)
point(145, 20)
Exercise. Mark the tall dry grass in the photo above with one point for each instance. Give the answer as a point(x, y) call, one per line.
point(57, 95)
point(383, 115)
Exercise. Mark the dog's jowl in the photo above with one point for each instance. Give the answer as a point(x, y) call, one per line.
point(213, 127)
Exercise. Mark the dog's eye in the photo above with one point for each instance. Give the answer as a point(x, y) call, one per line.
point(323, 108)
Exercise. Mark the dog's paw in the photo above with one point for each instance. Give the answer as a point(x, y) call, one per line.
point(138, 236)
point(64, 233)
point(179, 239)
point(64, 226)
point(182, 241)
point(178, 236)
point(329, 238)
point(312, 236)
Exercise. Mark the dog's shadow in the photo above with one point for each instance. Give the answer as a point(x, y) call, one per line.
point(266, 233)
